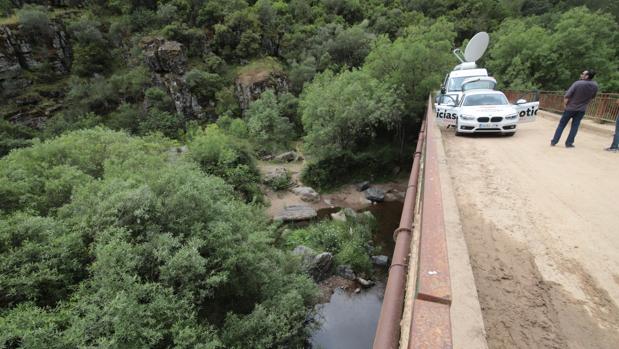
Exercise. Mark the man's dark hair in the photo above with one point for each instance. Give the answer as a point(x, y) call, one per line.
point(590, 74)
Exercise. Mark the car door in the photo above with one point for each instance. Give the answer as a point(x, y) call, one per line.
point(527, 111)
point(446, 110)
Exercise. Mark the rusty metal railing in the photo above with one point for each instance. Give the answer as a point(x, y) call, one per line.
point(603, 108)
point(430, 326)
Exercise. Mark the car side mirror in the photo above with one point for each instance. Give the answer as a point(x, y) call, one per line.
point(521, 101)
point(443, 90)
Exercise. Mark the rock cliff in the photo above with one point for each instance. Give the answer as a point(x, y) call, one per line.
point(19, 54)
point(168, 63)
point(249, 86)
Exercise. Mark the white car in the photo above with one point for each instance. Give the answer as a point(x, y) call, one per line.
point(484, 111)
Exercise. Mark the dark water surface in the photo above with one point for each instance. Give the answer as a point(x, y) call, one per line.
point(349, 320)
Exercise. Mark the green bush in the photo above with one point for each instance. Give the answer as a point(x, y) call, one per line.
point(345, 112)
point(225, 156)
point(350, 241)
point(34, 20)
point(280, 182)
point(342, 167)
point(14, 136)
point(90, 58)
point(269, 129)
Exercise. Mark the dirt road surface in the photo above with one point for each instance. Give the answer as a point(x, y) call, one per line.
point(542, 228)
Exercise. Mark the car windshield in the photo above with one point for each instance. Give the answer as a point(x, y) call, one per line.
point(479, 85)
point(455, 84)
point(485, 99)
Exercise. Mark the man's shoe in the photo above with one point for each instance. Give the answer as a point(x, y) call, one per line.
point(552, 144)
point(570, 146)
point(614, 150)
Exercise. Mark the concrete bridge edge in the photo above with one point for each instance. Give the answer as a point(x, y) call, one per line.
point(467, 323)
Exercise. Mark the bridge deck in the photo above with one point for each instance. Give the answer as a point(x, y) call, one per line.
point(541, 225)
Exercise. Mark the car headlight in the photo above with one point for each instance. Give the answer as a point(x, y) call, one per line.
point(467, 117)
point(511, 117)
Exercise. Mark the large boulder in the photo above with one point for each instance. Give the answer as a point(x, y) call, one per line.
point(317, 265)
point(345, 271)
point(164, 56)
point(306, 194)
point(321, 266)
point(287, 157)
point(374, 194)
point(293, 213)
point(380, 260)
point(250, 85)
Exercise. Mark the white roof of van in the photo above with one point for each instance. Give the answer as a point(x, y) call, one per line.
point(468, 72)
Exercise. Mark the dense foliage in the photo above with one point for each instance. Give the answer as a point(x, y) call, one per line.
point(110, 240)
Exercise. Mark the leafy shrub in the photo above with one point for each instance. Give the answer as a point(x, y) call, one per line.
point(204, 85)
point(342, 167)
point(344, 112)
point(280, 182)
point(156, 120)
point(34, 20)
point(14, 136)
point(90, 58)
point(350, 241)
point(222, 155)
point(270, 131)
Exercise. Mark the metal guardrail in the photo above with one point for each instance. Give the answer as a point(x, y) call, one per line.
point(430, 326)
point(603, 108)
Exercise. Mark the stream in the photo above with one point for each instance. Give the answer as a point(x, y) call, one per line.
point(348, 320)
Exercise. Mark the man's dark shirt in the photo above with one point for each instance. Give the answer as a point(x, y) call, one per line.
point(580, 94)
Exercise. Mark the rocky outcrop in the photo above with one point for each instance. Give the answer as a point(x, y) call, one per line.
point(380, 260)
point(168, 63)
point(20, 53)
point(299, 212)
point(249, 86)
point(374, 194)
point(318, 266)
point(306, 194)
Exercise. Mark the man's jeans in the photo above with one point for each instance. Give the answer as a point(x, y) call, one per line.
point(615, 144)
point(576, 117)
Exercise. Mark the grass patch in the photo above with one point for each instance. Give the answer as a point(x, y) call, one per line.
point(11, 20)
point(258, 69)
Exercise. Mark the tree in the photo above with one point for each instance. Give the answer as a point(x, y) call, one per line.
point(414, 65)
point(343, 112)
point(268, 128)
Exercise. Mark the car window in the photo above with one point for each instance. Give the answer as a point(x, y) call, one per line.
point(489, 99)
point(455, 84)
point(480, 85)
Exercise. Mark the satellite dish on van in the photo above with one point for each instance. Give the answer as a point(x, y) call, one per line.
point(476, 47)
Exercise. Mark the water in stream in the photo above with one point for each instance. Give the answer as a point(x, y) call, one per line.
point(348, 320)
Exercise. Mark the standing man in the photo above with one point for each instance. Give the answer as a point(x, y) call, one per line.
point(576, 100)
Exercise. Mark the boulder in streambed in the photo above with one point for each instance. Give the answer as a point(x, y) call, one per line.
point(346, 272)
point(297, 212)
point(306, 194)
point(374, 194)
point(381, 260)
